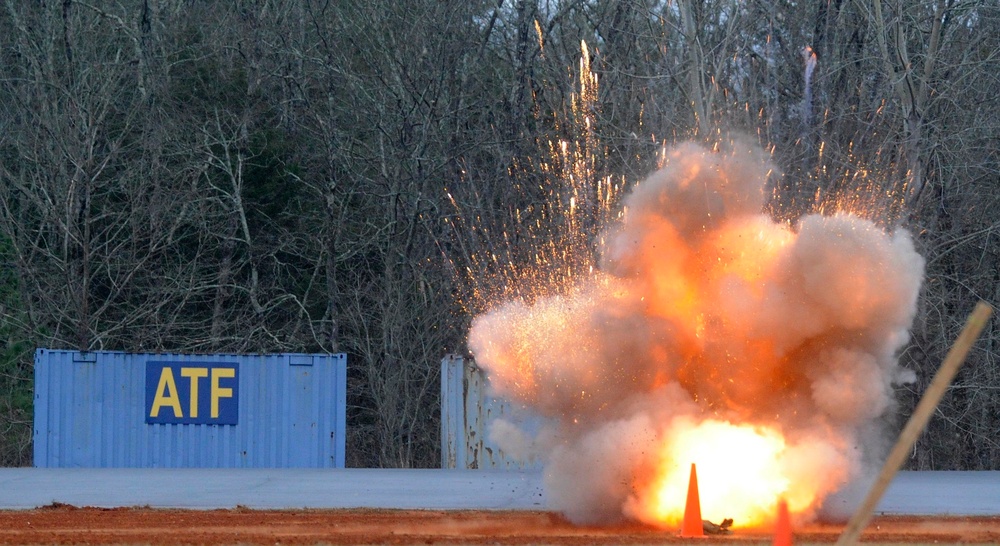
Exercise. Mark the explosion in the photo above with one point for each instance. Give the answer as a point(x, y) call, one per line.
point(763, 352)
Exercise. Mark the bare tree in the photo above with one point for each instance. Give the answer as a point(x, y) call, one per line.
point(324, 175)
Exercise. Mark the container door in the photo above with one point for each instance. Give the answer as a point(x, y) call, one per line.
point(303, 439)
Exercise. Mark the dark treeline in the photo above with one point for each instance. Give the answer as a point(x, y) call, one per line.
point(335, 176)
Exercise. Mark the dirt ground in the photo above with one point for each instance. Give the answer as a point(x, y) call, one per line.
point(71, 525)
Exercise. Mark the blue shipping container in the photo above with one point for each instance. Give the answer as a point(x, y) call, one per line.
point(468, 412)
point(114, 409)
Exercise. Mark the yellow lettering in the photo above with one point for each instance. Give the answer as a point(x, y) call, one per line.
point(194, 374)
point(220, 392)
point(163, 399)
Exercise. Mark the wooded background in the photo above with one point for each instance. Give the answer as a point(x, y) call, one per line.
point(360, 177)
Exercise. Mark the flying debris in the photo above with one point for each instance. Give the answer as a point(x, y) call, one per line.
point(709, 332)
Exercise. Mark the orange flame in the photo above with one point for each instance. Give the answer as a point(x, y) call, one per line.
point(698, 331)
point(711, 335)
point(740, 473)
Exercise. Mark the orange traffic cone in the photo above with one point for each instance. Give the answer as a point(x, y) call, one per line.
point(783, 526)
point(692, 526)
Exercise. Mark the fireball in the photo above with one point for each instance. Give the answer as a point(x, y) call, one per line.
point(760, 351)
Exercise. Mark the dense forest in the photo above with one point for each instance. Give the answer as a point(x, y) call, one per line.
point(364, 177)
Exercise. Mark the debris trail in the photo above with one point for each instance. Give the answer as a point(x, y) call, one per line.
point(763, 352)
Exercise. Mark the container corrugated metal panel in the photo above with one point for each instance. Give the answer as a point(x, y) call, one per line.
point(468, 412)
point(453, 451)
point(93, 410)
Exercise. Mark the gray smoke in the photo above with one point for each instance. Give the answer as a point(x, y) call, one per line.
point(709, 322)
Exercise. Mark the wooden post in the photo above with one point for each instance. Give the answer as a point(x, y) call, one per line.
point(932, 397)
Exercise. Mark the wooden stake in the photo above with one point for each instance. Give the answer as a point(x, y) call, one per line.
point(932, 397)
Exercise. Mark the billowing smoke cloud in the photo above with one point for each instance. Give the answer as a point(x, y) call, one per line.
point(763, 352)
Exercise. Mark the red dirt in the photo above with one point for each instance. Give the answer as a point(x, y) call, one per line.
point(70, 525)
